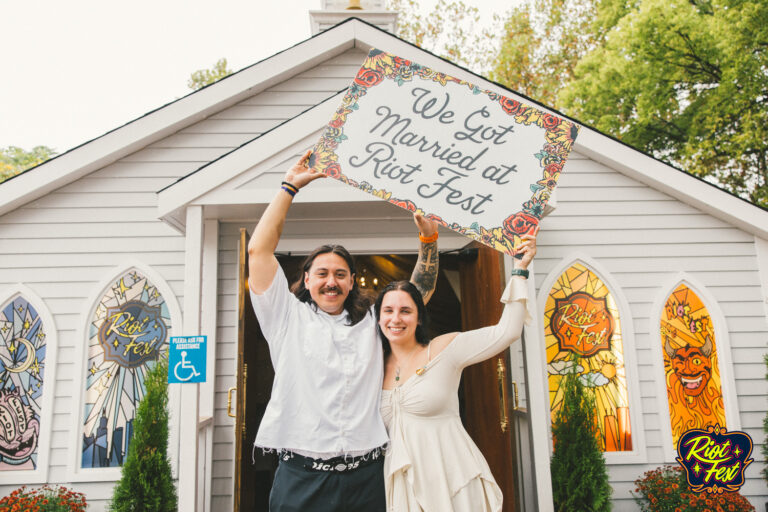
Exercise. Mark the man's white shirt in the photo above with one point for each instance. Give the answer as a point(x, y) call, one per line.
point(328, 375)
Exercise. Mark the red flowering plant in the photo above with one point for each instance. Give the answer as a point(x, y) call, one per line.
point(665, 489)
point(44, 499)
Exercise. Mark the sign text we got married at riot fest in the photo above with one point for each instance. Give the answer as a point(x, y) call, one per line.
point(480, 163)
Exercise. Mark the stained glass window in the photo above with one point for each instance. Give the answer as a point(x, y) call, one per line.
point(691, 367)
point(22, 370)
point(581, 318)
point(128, 332)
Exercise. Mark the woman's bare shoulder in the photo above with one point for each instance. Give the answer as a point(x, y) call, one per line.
point(439, 343)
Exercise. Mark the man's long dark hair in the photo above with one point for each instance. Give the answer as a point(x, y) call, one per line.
point(421, 312)
point(357, 304)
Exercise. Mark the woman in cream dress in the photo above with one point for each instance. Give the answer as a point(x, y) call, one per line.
point(432, 464)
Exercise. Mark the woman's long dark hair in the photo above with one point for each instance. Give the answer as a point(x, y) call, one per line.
point(357, 304)
point(421, 312)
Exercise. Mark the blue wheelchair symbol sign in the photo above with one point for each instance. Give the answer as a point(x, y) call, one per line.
point(187, 359)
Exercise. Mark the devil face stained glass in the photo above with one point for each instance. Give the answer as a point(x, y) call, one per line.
point(691, 369)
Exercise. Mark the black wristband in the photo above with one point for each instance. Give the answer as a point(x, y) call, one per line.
point(519, 272)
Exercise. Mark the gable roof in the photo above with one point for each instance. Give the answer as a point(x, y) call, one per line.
point(172, 117)
point(352, 33)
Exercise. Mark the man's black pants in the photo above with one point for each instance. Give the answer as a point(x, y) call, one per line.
point(298, 489)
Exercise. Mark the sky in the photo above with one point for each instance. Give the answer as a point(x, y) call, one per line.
point(74, 70)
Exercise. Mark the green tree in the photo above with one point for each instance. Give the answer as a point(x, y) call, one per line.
point(452, 30)
point(203, 77)
point(687, 81)
point(146, 482)
point(14, 160)
point(541, 44)
point(579, 478)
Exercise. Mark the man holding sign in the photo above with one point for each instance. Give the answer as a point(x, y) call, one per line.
point(323, 417)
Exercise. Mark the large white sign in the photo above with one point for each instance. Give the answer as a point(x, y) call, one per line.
point(480, 163)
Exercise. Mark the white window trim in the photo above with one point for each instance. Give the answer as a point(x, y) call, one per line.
point(723, 344)
point(39, 475)
point(638, 454)
point(74, 472)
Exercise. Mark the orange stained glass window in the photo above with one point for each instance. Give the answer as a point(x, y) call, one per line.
point(581, 318)
point(691, 371)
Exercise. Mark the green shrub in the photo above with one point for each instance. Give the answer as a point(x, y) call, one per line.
point(146, 482)
point(579, 478)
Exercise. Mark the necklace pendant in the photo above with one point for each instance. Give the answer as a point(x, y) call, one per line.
point(397, 378)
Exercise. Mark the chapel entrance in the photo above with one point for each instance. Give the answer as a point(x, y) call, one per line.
point(482, 393)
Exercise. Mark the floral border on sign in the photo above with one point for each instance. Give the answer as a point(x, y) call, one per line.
point(559, 138)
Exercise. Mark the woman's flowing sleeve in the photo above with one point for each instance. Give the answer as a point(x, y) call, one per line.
point(480, 344)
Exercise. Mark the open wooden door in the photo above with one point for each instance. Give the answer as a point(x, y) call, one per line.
point(254, 470)
point(486, 385)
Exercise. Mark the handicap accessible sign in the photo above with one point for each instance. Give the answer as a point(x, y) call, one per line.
point(186, 359)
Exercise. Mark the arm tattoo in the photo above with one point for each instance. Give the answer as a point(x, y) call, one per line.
point(424, 275)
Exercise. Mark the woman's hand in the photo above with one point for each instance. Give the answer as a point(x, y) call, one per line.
point(301, 174)
point(528, 249)
point(426, 226)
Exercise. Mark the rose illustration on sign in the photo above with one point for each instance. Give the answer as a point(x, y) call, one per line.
point(132, 333)
point(520, 224)
point(19, 429)
point(714, 459)
point(582, 323)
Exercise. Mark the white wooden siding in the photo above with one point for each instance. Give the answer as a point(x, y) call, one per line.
point(226, 369)
point(643, 238)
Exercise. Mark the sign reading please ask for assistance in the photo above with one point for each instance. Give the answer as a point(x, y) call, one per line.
point(479, 163)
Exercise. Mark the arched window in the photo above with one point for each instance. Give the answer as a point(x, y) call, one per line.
point(128, 331)
point(691, 369)
point(582, 328)
point(27, 362)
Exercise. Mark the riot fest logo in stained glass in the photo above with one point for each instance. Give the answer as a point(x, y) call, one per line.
point(128, 332)
point(582, 321)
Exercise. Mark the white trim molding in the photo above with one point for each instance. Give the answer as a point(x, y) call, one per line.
point(74, 472)
point(189, 414)
point(201, 186)
point(638, 454)
point(40, 473)
point(722, 342)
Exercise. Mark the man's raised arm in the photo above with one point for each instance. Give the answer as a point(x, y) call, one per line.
point(262, 263)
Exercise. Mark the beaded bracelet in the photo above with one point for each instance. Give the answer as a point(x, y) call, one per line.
point(428, 239)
